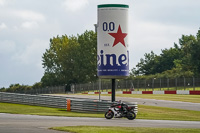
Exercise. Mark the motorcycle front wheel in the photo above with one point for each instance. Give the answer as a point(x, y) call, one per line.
point(109, 114)
point(131, 115)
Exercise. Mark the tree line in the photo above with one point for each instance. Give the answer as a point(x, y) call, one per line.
point(72, 60)
point(181, 60)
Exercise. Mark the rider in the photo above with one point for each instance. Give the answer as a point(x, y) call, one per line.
point(123, 106)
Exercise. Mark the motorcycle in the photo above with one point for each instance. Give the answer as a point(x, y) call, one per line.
point(119, 111)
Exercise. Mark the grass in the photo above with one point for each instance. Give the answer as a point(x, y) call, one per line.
point(100, 129)
point(163, 113)
point(145, 112)
point(169, 97)
point(37, 110)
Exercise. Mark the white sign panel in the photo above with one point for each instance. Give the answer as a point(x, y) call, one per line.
point(112, 41)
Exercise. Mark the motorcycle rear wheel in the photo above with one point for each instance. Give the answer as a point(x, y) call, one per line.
point(131, 115)
point(109, 114)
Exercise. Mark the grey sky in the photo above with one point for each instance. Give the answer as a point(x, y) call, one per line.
point(27, 25)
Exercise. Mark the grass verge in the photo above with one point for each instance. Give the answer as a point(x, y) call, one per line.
point(37, 110)
point(169, 97)
point(96, 129)
point(144, 112)
point(164, 113)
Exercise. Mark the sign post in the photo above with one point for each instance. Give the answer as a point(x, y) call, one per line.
point(113, 90)
point(112, 43)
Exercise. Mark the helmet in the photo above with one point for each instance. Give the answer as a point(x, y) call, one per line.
point(119, 102)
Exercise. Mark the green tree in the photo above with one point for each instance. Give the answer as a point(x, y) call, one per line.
point(37, 85)
point(87, 57)
point(181, 60)
point(70, 59)
point(145, 66)
point(166, 59)
point(18, 88)
point(195, 55)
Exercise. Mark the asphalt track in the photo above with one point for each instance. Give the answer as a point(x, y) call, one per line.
point(151, 102)
point(16, 123)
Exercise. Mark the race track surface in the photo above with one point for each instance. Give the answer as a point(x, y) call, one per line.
point(16, 123)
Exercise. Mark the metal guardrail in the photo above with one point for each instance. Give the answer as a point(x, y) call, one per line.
point(76, 104)
point(38, 100)
point(93, 106)
point(36, 91)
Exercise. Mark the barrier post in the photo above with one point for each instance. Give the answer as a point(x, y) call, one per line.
point(68, 104)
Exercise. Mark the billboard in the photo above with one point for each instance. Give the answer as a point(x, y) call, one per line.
point(112, 41)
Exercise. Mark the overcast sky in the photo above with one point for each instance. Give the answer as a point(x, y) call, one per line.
point(27, 25)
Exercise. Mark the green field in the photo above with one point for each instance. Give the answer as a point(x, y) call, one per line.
point(96, 129)
point(37, 110)
point(169, 97)
point(144, 112)
point(163, 113)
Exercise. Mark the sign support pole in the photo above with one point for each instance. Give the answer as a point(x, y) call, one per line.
point(113, 90)
point(99, 89)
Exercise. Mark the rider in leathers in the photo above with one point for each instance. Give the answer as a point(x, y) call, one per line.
point(123, 106)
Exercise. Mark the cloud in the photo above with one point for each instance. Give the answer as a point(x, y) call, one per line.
point(2, 2)
point(157, 34)
point(32, 54)
point(29, 15)
point(29, 25)
point(169, 12)
point(19, 19)
point(3, 26)
point(147, 36)
point(7, 46)
point(75, 5)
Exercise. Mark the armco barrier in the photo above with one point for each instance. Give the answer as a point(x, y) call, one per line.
point(38, 100)
point(194, 92)
point(158, 92)
point(95, 106)
point(170, 92)
point(147, 92)
point(70, 104)
point(85, 106)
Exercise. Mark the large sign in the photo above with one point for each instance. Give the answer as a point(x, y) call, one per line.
point(112, 41)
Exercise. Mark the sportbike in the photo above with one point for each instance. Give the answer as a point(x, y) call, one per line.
point(120, 110)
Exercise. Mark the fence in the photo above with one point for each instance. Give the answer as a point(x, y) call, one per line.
point(77, 104)
point(141, 85)
point(45, 90)
point(154, 84)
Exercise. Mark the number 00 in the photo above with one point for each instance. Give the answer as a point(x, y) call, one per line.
point(108, 27)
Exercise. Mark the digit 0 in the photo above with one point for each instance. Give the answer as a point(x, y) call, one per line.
point(111, 26)
point(105, 26)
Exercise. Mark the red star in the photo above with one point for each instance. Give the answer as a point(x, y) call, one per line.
point(119, 37)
